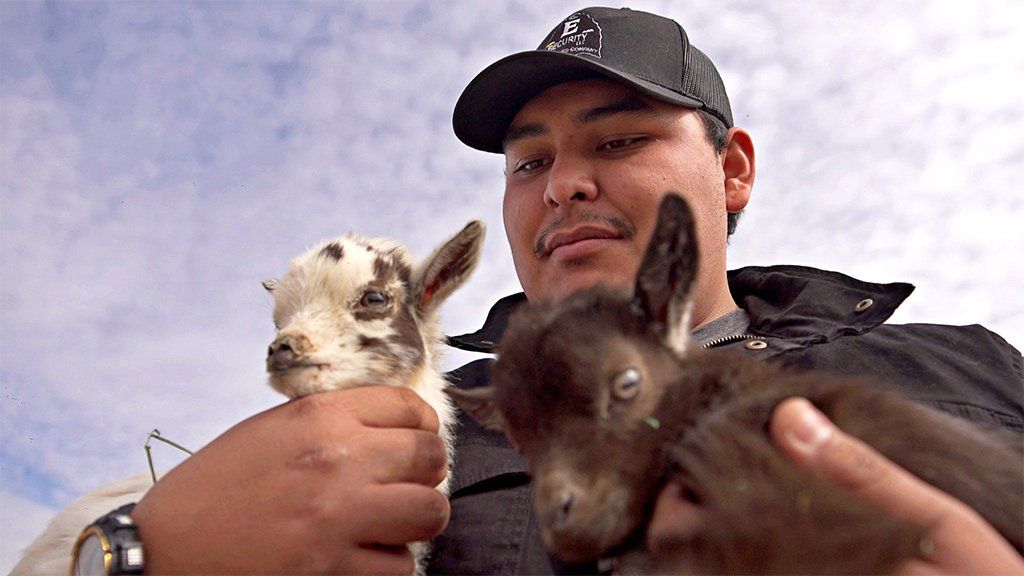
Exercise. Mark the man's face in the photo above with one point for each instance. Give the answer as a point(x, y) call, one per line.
point(587, 164)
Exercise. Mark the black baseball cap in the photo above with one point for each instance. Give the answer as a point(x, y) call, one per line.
point(648, 52)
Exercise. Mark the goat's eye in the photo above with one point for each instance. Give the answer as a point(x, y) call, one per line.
point(375, 299)
point(626, 384)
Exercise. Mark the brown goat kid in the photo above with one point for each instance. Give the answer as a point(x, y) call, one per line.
point(603, 396)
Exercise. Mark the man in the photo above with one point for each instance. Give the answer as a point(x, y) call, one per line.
point(612, 112)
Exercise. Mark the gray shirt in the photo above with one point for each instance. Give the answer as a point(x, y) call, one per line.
point(735, 322)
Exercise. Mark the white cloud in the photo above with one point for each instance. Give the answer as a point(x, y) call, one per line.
point(159, 160)
point(15, 536)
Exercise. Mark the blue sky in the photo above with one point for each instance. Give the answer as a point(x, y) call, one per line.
point(160, 159)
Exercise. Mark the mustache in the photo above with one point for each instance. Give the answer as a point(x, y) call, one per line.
point(620, 225)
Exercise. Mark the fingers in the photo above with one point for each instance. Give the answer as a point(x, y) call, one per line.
point(959, 540)
point(674, 519)
point(394, 514)
point(380, 560)
point(374, 406)
point(810, 439)
point(406, 456)
point(390, 407)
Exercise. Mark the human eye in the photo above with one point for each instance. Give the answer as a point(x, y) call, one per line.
point(619, 143)
point(529, 165)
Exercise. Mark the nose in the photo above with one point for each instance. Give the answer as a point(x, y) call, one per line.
point(569, 180)
point(562, 507)
point(286, 351)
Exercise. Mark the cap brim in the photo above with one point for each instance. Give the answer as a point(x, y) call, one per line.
point(491, 101)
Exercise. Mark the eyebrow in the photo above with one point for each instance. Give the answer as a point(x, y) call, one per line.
point(628, 105)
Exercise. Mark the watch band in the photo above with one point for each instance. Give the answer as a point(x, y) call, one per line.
point(109, 546)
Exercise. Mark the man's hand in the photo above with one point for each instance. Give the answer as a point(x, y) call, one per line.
point(336, 482)
point(962, 542)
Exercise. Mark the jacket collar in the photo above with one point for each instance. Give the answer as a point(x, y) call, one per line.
point(484, 339)
point(800, 304)
point(806, 305)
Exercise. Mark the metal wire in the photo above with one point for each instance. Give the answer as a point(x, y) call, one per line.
point(155, 435)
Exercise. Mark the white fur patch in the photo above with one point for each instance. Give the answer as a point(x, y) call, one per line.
point(679, 335)
point(318, 299)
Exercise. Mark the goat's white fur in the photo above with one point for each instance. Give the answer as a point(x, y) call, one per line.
point(318, 298)
point(315, 299)
point(50, 552)
point(679, 338)
point(318, 303)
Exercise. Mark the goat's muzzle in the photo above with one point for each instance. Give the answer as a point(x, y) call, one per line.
point(287, 351)
point(582, 516)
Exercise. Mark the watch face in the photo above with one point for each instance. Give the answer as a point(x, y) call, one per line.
point(92, 559)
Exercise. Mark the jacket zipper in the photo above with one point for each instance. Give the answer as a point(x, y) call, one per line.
point(727, 340)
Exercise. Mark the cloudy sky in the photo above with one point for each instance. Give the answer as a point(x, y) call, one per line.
point(160, 159)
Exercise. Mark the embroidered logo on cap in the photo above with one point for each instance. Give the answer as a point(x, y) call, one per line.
point(578, 34)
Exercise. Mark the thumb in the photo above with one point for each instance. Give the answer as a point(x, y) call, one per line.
point(960, 541)
point(807, 437)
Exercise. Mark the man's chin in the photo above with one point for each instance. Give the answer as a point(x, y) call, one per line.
point(570, 281)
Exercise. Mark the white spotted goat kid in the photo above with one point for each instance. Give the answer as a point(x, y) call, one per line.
point(351, 311)
point(357, 311)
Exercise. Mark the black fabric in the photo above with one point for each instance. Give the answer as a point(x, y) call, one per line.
point(809, 318)
point(484, 339)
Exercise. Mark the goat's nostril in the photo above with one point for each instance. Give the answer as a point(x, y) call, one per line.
point(288, 351)
point(283, 344)
point(282, 359)
point(565, 503)
point(283, 354)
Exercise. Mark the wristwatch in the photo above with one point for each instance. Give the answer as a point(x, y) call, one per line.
point(109, 546)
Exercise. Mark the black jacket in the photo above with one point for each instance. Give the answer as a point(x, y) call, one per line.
point(810, 318)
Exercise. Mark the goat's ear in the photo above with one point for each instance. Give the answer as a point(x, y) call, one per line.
point(666, 276)
point(479, 403)
point(448, 267)
point(270, 285)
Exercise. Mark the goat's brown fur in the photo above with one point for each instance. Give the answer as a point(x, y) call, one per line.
point(602, 441)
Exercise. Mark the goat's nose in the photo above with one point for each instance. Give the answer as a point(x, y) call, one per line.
point(285, 352)
point(563, 506)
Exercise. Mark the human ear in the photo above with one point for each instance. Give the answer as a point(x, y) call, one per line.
point(739, 169)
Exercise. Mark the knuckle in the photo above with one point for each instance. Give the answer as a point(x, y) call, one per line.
point(409, 404)
point(414, 409)
point(435, 512)
point(429, 449)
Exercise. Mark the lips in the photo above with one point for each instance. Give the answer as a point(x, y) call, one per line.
point(580, 234)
